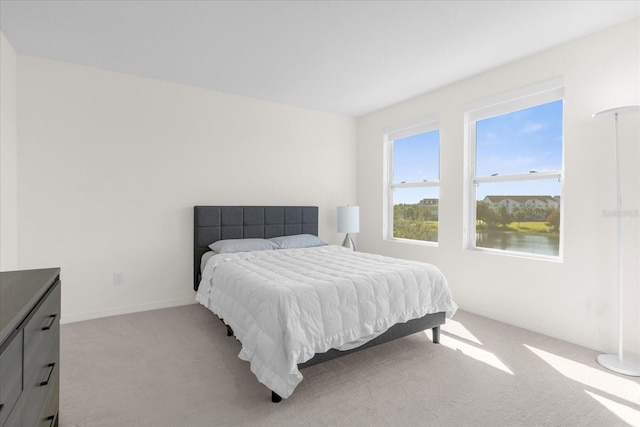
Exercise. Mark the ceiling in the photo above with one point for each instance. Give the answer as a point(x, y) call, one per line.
point(344, 57)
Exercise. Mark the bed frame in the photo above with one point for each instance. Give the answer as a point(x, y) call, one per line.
point(213, 223)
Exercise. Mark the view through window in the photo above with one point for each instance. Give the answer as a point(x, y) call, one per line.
point(517, 179)
point(414, 183)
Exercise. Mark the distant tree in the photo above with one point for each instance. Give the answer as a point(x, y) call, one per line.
point(553, 219)
point(529, 214)
point(485, 214)
point(540, 213)
point(409, 212)
point(504, 217)
point(520, 215)
point(411, 221)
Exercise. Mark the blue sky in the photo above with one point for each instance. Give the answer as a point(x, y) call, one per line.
point(521, 141)
point(416, 158)
point(518, 142)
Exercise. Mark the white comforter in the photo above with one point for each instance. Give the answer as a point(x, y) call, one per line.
point(287, 305)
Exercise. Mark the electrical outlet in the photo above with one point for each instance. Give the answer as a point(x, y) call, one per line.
point(118, 278)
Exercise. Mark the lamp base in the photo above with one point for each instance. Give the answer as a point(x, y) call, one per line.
point(626, 366)
point(348, 243)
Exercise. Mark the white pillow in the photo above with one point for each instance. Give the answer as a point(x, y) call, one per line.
point(298, 241)
point(242, 245)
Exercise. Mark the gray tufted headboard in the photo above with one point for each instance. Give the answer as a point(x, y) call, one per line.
point(213, 223)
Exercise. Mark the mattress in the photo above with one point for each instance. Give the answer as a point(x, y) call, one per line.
point(287, 305)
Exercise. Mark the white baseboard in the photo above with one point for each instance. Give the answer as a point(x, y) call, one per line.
point(78, 317)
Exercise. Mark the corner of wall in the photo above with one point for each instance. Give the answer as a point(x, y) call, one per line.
point(8, 157)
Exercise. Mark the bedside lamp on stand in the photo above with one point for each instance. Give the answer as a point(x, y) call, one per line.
point(348, 222)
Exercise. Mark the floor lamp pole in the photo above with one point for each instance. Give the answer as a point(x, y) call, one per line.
point(610, 361)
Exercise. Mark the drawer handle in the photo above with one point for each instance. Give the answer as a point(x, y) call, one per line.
point(50, 365)
point(52, 319)
point(50, 418)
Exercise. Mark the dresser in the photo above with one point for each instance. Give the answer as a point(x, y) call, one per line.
point(29, 347)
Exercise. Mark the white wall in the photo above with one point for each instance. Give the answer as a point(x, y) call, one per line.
point(110, 166)
point(8, 158)
point(576, 299)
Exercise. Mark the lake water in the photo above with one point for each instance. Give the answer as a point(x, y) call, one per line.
point(542, 245)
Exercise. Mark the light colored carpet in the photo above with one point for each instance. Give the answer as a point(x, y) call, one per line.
point(177, 367)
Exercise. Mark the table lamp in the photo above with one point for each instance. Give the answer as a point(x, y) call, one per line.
point(348, 222)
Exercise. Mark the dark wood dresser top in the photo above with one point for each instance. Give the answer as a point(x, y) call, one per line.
point(19, 292)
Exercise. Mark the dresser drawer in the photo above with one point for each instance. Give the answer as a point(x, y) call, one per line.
point(49, 412)
point(42, 330)
point(15, 417)
point(10, 376)
point(41, 397)
point(29, 347)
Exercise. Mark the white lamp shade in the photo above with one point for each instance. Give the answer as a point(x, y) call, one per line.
point(348, 219)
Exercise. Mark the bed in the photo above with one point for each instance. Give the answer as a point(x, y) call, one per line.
point(282, 304)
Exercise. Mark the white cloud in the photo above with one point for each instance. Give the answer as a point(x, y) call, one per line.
point(533, 127)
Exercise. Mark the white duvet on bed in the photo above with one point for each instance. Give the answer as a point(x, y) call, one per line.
point(287, 305)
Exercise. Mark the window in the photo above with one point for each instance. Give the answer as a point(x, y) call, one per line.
point(515, 147)
point(413, 179)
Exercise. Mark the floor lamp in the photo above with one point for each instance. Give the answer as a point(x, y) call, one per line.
point(617, 363)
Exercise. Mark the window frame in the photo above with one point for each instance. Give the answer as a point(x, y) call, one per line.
point(414, 127)
point(523, 98)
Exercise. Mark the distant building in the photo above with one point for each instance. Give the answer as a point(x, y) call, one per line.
point(431, 205)
point(538, 206)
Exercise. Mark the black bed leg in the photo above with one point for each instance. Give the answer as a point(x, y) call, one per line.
point(229, 330)
point(275, 398)
point(436, 334)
